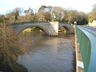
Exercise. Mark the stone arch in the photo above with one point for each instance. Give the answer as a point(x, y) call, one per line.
point(65, 28)
point(41, 27)
point(68, 27)
point(50, 28)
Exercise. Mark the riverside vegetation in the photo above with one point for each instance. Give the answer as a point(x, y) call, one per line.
point(10, 48)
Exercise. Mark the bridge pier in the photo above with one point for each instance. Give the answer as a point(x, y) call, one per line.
point(53, 30)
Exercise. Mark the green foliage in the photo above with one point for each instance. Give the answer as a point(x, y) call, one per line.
point(1, 20)
point(16, 15)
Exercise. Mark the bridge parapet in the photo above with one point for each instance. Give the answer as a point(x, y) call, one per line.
point(87, 41)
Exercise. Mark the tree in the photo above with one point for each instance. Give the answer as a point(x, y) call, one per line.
point(29, 14)
point(47, 16)
point(92, 15)
point(14, 14)
point(2, 18)
point(10, 48)
point(82, 18)
point(44, 13)
point(41, 12)
point(49, 13)
point(65, 18)
point(58, 13)
point(72, 15)
point(41, 16)
point(17, 12)
point(42, 8)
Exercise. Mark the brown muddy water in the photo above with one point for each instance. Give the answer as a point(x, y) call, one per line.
point(47, 54)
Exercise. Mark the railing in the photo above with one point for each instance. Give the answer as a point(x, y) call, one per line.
point(87, 42)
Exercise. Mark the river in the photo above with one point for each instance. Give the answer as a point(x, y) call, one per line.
point(47, 54)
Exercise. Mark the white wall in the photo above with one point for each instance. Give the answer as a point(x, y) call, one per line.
point(93, 23)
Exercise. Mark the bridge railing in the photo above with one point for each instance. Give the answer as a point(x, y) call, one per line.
point(87, 42)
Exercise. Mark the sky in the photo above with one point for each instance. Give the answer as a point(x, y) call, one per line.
point(80, 5)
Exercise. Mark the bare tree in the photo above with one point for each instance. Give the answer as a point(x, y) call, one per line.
point(92, 14)
point(29, 15)
point(10, 48)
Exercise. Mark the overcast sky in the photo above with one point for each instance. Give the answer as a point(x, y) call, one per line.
point(80, 5)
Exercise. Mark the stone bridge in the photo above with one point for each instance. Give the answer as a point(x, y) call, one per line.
point(50, 28)
point(68, 27)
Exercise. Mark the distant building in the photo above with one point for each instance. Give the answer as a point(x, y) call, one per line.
point(93, 23)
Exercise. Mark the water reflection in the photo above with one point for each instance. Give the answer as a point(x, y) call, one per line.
point(47, 54)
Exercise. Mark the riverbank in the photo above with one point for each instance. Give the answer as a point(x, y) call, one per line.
point(13, 66)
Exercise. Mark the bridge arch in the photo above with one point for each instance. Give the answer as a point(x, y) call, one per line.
point(68, 27)
point(38, 26)
point(50, 28)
